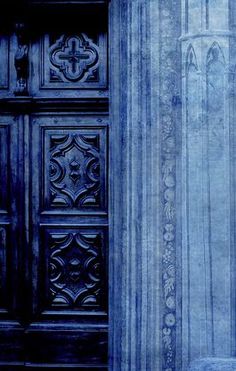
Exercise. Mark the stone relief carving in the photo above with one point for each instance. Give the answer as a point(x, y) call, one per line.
point(191, 61)
point(170, 103)
point(215, 87)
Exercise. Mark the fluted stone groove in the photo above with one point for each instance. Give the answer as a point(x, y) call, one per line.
point(134, 264)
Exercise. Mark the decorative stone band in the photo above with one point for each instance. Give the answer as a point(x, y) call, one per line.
point(207, 34)
point(170, 108)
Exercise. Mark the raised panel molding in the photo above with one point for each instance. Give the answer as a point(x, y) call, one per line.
point(69, 240)
point(75, 169)
point(74, 62)
point(4, 167)
point(4, 272)
point(78, 347)
point(76, 268)
point(9, 167)
point(75, 58)
point(69, 61)
point(4, 69)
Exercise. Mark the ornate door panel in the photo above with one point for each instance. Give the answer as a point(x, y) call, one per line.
point(54, 188)
point(70, 60)
point(11, 255)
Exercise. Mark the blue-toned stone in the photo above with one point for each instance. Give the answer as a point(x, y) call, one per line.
point(213, 364)
point(173, 186)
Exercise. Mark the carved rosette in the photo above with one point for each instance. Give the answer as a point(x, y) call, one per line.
point(169, 104)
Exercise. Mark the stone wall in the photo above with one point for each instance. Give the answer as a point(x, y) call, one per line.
point(172, 244)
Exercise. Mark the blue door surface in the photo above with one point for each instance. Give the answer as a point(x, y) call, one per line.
point(54, 186)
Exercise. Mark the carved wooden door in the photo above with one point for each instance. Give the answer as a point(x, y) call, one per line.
point(54, 189)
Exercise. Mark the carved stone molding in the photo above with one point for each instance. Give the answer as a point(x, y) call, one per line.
point(170, 118)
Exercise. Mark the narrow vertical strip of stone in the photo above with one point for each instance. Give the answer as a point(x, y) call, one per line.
point(219, 15)
point(219, 194)
point(193, 166)
point(185, 346)
point(194, 16)
point(117, 263)
point(132, 190)
point(134, 226)
point(207, 189)
point(153, 179)
point(169, 104)
point(230, 104)
point(185, 19)
point(207, 14)
point(144, 24)
point(193, 157)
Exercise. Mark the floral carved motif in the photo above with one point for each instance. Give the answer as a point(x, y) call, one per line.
point(73, 58)
point(76, 269)
point(170, 104)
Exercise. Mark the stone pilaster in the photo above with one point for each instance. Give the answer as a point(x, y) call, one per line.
point(135, 166)
point(207, 182)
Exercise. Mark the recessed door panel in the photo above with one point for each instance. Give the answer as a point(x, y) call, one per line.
point(75, 263)
point(69, 167)
point(69, 58)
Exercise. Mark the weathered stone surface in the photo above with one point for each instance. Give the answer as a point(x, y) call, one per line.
point(207, 161)
point(135, 197)
point(173, 196)
point(213, 364)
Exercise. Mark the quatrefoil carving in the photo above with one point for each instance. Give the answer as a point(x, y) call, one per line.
point(74, 57)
